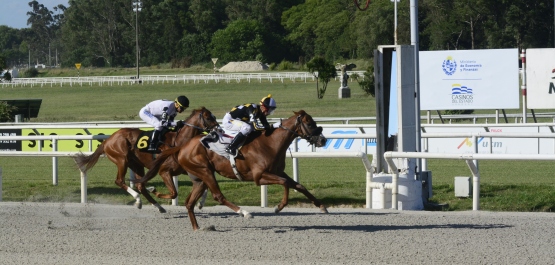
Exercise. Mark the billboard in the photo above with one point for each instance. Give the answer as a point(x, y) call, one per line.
point(345, 144)
point(46, 145)
point(469, 79)
point(540, 75)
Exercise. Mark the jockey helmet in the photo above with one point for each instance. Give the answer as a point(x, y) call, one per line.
point(269, 103)
point(182, 101)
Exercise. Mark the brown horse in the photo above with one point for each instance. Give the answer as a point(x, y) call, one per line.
point(262, 160)
point(121, 149)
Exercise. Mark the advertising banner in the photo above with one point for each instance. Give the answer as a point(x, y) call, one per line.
point(495, 145)
point(540, 75)
point(344, 145)
point(46, 145)
point(469, 79)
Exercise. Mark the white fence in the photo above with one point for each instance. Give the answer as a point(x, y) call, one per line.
point(169, 79)
point(296, 155)
point(55, 154)
point(469, 159)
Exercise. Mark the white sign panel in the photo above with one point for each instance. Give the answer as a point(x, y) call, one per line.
point(488, 145)
point(469, 79)
point(540, 68)
point(343, 145)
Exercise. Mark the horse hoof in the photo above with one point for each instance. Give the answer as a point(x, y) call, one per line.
point(208, 228)
point(248, 216)
point(162, 210)
point(277, 210)
point(323, 209)
point(139, 205)
point(151, 189)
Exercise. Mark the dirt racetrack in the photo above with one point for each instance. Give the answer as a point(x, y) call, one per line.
point(72, 233)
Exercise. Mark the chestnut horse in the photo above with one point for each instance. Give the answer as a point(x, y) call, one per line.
point(261, 159)
point(122, 150)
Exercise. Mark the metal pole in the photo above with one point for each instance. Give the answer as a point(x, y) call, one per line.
point(0, 184)
point(395, 24)
point(137, 36)
point(523, 87)
point(414, 41)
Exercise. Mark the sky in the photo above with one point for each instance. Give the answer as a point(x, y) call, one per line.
point(13, 13)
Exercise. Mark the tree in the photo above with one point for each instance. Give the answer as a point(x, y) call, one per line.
point(45, 29)
point(6, 112)
point(3, 64)
point(367, 84)
point(324, 71)
point(100, 33)
point(241, 40)
point(10, 40)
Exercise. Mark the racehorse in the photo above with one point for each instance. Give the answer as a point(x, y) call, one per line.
point(122, 149)
point(261, 159)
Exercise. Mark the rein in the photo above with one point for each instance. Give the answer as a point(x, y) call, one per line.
point(205, 129)
point(294, 132)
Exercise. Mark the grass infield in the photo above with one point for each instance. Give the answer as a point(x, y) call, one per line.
point(505, 185)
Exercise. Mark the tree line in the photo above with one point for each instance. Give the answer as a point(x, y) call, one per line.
point(99, 33)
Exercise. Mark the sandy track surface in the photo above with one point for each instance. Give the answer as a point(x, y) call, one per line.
point(72, 233)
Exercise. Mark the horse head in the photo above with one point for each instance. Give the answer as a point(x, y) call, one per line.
point(306, 128)
point(202, 119)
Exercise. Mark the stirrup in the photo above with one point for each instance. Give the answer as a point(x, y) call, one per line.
point(231, 152)
point(152, 148)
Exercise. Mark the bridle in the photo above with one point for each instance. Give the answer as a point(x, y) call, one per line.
point(204, 123)
point(305, 134)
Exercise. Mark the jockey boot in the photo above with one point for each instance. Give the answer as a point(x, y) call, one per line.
point(235, 143)
point(209, 138)
point(153, 147)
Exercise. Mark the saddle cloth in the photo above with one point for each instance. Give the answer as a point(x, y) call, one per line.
point(144, 141)
point(217, 141)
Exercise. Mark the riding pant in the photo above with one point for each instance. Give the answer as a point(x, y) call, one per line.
point(236, 125)
point(152, 120)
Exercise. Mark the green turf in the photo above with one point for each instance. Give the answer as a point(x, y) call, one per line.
point(506, 185)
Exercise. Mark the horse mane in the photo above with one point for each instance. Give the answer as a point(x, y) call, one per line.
point(195, 110)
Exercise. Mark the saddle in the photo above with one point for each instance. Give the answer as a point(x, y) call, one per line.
point(217, 141)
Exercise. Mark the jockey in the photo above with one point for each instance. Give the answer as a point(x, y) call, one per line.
point(243, 118)
point(160, 114)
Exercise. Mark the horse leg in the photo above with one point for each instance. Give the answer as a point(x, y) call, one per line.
point(197, 191)
point(210, 182)
point(122, 170)
point(139, 173)
point(191, 200)
point(203, 198)
point(219, 197)
point(270, 179)
point(287, 183)
point(168, 181)
point(300, 188)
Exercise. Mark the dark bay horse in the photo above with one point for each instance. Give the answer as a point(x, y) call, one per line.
point(121, 149)
point(261, 159)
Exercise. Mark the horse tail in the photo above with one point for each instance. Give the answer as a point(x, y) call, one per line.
point(157, 163)
point(86, 162)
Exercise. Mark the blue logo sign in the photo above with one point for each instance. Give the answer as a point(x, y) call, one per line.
point(449, 66)
point(458, 89)
point(348, 142)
